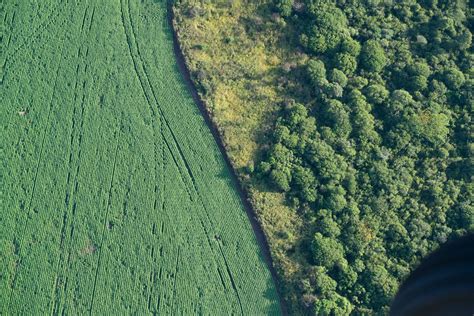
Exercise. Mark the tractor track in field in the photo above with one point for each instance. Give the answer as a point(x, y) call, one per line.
point(132, 37)
point(258, 231)
point(56, 297)
point(158, 197)
point(144, 86)
point(232, 282)
point(101, 245)
point(175, 277)
point(175, 141)
point(64, 265)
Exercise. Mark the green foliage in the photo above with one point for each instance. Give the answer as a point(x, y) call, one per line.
point(305, 182)
point(281, 179)
point(338, 77)
point(337, 117)
point(419, 69)
point(316, 72)
point(329, 27)
point(373, 56)
point(284, 7)
point(346, 62)
point(382, 286)
point(326, 225)
point(327, 252)
point(324, 284)
point(335, 304)
point(281, 160)
point(433, 126)
point(418, 83)
point(418, 76)
point(453, 78)
point(350, 46)
point(377, 93)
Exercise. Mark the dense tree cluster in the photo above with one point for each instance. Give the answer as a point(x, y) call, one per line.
point(377, 157)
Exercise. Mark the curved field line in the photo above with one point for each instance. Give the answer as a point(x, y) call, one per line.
point(231, 278)
point(159, 178)
point(170, 130)
point(147, 84)
point(163, 117)
point(56, 287)
point(66, 266)
point(104, 226)
point(61, 263)
point(175, 276)
point(132, 38)
point(182, 156)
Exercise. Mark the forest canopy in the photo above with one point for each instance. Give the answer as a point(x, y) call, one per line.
point(377, 157)
point(349, 123)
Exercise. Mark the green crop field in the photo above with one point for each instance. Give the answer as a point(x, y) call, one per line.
point(114, 195)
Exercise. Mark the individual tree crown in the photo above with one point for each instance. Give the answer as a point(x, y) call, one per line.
point(373, 56)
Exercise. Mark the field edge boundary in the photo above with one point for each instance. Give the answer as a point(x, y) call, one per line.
point(243, 194)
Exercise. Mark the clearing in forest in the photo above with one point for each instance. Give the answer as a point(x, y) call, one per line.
point(115, 196)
